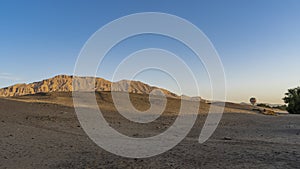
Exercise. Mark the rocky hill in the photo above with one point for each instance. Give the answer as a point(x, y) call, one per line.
point(63, 83)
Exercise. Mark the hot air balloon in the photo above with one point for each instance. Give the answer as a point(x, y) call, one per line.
point(253, 100)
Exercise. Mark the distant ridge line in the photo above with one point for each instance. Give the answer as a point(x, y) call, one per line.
point(63, 83)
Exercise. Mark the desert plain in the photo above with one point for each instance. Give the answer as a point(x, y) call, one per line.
point(42, 131)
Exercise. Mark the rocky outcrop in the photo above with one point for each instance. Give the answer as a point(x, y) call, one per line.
point(63, 83)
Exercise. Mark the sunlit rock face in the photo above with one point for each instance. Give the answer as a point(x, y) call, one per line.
point(63, 83)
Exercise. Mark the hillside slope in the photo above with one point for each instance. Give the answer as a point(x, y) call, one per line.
point(63, 83)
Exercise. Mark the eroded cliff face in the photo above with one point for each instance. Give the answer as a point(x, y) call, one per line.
point(63, 83)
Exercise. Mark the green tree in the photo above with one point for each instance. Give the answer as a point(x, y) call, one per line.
point(292, 98)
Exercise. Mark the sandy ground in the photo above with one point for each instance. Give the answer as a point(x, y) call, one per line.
point(42, 131)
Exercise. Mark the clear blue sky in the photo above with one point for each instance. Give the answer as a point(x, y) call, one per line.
point(258, 40)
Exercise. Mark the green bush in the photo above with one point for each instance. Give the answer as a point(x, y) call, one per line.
point(292, 98)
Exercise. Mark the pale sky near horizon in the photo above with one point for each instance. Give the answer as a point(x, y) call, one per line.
point(258, 41)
